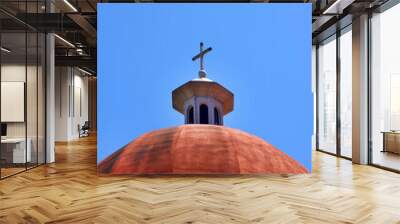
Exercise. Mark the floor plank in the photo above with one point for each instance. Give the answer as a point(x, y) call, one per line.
point(70, 191)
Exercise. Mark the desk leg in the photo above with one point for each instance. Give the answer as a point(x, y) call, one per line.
point(384, 142)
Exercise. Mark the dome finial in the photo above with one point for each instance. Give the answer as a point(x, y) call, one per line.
point(202, 72)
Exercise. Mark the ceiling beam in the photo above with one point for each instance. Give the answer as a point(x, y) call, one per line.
point(81, 61)
point(338, 6)
point(86, 26)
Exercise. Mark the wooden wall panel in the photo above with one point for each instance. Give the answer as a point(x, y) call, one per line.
point(93, 103)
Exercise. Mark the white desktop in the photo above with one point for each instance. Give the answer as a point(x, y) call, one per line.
point(13, 149)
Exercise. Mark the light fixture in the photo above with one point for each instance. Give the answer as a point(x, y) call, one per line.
point(70, 5)
point(84, 71)
point(5, 50)
point(65, 41)
point(80, 51)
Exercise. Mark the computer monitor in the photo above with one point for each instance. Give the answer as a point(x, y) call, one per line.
point(3, 129)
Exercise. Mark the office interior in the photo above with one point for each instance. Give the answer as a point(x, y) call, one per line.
point(45, 87)
point(48, 98)
point(48, 80)
point(376, 88)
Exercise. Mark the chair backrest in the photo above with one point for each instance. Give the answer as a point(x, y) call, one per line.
point(86, 125)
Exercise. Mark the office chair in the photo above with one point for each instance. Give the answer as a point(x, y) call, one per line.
point(84, 130)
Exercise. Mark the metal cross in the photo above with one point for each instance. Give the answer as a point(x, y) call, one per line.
point(201, 56)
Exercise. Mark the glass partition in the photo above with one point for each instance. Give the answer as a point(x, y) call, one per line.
point(14, 153)
point(22, 101)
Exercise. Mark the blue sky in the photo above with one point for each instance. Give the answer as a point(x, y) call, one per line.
point(261, 52)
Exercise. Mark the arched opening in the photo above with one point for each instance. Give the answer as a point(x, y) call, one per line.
point(190, 116)
point(203, 114)
point(216, 116)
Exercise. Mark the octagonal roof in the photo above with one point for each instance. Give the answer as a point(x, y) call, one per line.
point(202, 87)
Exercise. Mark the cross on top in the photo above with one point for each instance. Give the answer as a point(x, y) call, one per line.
point(202, 73)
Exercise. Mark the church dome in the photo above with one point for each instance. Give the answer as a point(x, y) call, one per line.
point(199, 149)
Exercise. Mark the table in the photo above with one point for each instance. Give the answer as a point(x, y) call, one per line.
point(391, 141)
point(13, 150)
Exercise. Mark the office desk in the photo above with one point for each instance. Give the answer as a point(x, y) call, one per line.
point(391, 141)
point(13, 150)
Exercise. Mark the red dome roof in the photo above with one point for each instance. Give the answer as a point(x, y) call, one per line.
point(199, 149)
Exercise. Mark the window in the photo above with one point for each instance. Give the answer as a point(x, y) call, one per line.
point(327, 95)
point(335, 74)
point(203, 114)
point(385, 89)
point(190, 115)
point(216, 116)
point(346, 74)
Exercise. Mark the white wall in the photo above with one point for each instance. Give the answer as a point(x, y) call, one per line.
point(12, 73)
point(62, 82)
point(71, 102)
point(80, 112)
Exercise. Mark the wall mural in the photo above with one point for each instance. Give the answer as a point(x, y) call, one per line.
point(251, 112)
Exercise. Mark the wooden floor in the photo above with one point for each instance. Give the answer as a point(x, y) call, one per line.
point(70, 191)
point(5, 172)
point(387, 159)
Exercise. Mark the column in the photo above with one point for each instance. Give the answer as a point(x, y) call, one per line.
point(50, 92)
point(360, 90)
